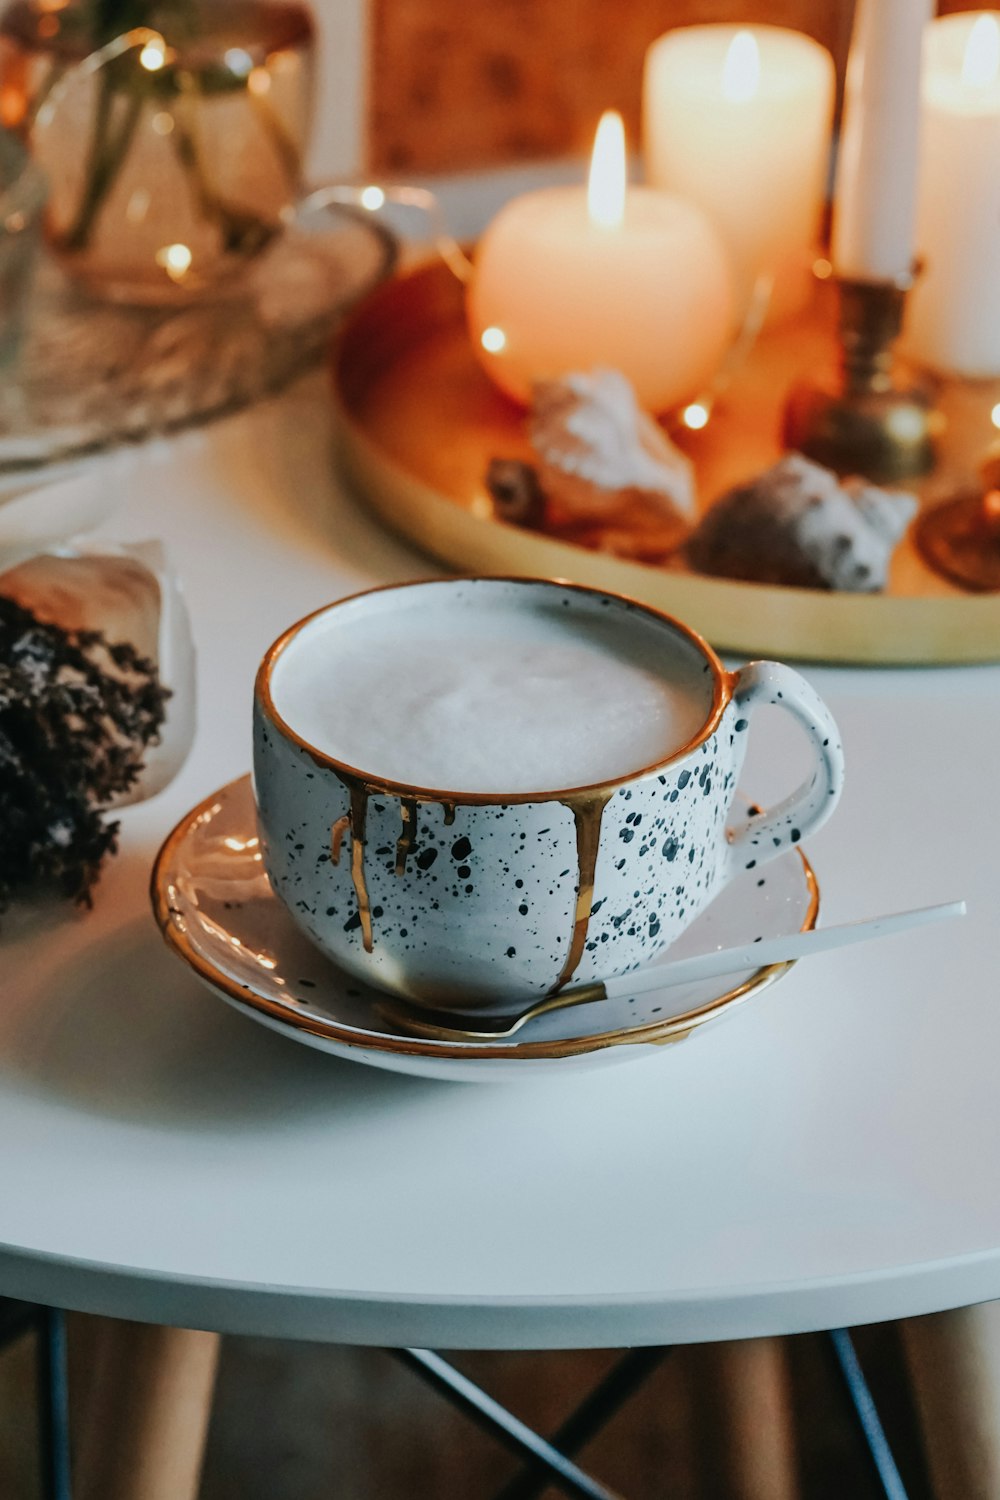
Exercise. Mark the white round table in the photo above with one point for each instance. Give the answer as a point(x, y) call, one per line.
point(824, 1157)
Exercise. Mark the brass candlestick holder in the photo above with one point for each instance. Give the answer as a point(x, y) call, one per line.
point(861, 420)
point(960, 538)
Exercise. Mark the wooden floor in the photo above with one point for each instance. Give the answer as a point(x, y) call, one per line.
point(308, 1422)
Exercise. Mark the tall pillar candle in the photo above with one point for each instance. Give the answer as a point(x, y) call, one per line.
point(875, 195)
point(737, 119)
point(953, 320)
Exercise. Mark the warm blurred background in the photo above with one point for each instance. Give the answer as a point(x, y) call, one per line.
point(455, 85)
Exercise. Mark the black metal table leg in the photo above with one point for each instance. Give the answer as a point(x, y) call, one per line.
point(868, 1418)
point(593, 1412)
point(53, 1404)
point(503, 1425)
point(49, 1327)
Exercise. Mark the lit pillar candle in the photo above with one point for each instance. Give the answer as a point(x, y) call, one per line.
point(570, 278)
point(875, 195)
point(953, 320)
point(738, 120)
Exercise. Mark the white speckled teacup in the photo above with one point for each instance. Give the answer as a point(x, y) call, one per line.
point(464, 898)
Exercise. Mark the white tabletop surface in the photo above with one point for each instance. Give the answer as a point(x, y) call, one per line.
point(827, 1155)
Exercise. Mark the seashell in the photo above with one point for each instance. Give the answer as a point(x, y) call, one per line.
point(596, 446)
point(799, 524)
point(515, 491)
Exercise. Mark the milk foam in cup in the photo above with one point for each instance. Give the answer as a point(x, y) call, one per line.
point(482, 789)
point(509, 697)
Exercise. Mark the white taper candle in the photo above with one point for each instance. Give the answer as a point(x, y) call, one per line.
point(876, 185)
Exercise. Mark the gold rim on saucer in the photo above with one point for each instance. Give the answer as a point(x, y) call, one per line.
point(657, 1033)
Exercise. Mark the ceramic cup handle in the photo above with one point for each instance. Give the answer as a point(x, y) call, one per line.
point(759, 838)
point(312, 212)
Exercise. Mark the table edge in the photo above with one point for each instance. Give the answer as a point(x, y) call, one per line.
point(396, 1320)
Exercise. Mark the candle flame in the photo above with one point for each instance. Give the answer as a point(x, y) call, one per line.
point(981, 64)
point(175, 260)
point(153, 55)
point(995, 415)
point(741, 69)
point(606, 187)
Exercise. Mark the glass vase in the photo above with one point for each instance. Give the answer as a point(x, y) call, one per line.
point(22, 199)
point(172, 164)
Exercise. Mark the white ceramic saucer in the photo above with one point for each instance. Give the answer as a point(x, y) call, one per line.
point(216, 909)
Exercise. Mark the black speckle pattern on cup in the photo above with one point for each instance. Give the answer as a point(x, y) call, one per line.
point(487, 900)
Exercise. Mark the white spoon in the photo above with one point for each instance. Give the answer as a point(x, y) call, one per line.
point(445, 1024)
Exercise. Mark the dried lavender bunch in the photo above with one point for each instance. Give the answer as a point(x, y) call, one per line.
point(76, 716)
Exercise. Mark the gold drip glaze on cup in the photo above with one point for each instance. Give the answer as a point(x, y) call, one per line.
point(408, 818)
point(587, 816)
point(337, 836)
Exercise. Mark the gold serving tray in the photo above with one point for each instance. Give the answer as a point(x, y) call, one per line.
point(419, 423)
